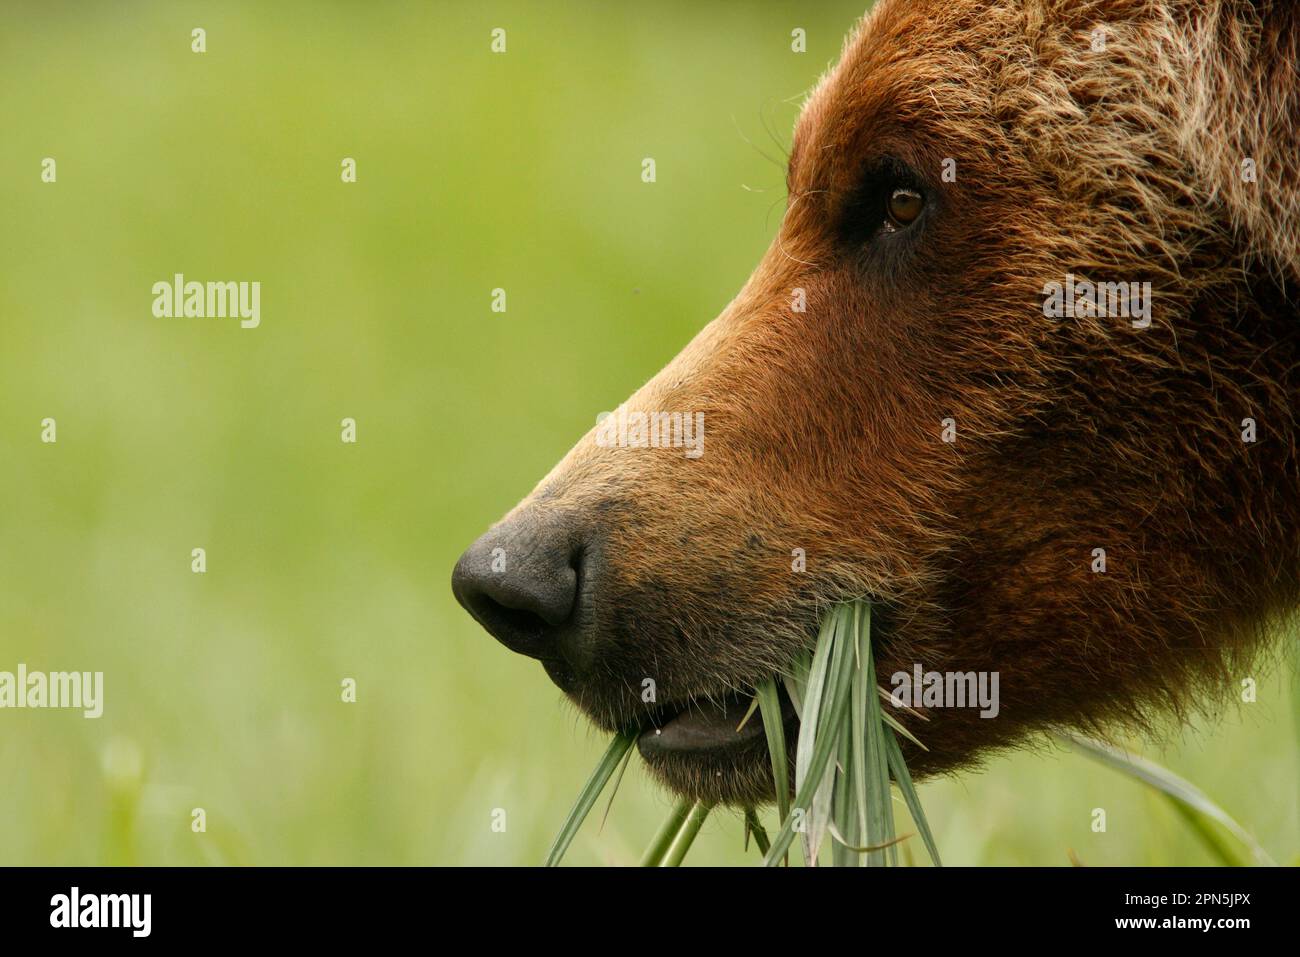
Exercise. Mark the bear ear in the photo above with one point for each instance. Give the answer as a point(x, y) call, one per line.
point(1243, 131)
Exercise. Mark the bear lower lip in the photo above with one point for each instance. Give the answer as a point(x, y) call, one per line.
point(707, 726)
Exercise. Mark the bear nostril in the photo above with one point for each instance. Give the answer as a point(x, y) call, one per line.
point(520, 582)
point(517, 628)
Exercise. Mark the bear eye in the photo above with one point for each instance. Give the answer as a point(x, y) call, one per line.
point(889, 198)
point(903, 206)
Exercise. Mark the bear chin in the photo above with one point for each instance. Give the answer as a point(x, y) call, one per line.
point(739, 778)
point(715, 750)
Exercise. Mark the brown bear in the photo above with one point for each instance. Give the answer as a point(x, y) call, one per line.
point(1020, 367)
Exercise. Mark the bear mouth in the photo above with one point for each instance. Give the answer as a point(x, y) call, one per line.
point(713, 727)
point(714, 748)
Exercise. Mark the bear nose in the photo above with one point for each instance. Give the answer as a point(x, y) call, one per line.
point(520, 582)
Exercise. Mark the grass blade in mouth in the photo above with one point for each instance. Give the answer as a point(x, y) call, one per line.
point(749, 713)
point(677, 833)
point(845, 755)
point(843, 827)
point(618, 748)
point(856, 770)
point(904, 780)
point(663, 839)
point(839, 689)
point(880, 804)
point(685, 836)
point(810, 707)
point(797, 680)
point(819, 813)
point(755, 827)
point(769, 704)
point(847, 752)
point(613, 792)
point(825, 720)
point(898, 728)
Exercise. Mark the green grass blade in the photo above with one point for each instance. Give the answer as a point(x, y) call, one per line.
point(843, 658)
point(839, 684)
point(846, 752)
point(749, 713)
point(880, 804)
point(888, 696)
point(857, 769)
point(899, 841)
point(822, 746)
point(796, 682)
point(755, 827)
point(905, 786)
point(812, 690)
point(803, 798)
point(769, 704)
point(810, 725)
point(685, 836)
point(1210, 835)
point(613, 791)
point(1178, 788)
point(843, 826)
point(894, 723)
point(668, 830)
point(618, 747)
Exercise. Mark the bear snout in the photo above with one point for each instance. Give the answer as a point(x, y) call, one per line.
point(520, 581)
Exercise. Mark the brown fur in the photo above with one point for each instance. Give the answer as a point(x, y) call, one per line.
point(823, 428)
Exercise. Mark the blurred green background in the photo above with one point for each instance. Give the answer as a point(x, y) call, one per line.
point(326, 560)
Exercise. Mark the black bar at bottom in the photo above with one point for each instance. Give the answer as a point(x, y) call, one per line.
point(592, 909)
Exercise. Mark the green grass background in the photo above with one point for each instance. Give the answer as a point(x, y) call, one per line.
point(327, 560)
